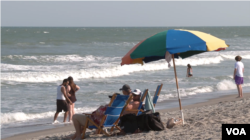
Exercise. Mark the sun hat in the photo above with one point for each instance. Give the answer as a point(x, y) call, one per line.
point(137, 92)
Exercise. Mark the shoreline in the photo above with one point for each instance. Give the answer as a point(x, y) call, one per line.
point(70, 127)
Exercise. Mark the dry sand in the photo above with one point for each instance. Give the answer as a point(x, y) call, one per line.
point(202, 121)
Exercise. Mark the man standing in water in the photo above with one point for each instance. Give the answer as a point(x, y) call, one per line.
point(238, 74)
point(61, 103)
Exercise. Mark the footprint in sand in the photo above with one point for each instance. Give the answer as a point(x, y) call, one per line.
point(198, 124)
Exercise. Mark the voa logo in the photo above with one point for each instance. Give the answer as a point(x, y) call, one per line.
point(236, 131)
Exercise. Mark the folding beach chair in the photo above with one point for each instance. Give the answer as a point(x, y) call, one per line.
point(157, 93)
point(113, 112)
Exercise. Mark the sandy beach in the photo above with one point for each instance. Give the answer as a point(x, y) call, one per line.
point(202, 121)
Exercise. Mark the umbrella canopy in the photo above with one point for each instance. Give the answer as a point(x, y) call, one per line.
point(183, 43)
point(173, 43)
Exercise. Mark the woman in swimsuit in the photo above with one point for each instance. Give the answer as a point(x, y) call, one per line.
point(72, 88)
point(189, 71)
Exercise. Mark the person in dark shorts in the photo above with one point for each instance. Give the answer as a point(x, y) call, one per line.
point(61, 103)
point(72, 88)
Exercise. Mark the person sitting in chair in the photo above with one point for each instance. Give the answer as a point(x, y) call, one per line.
point(126, 90)
point(135, 103)
point(79, 120)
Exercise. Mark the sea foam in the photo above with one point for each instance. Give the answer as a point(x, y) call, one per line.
point(226, 85)
point(54, 73)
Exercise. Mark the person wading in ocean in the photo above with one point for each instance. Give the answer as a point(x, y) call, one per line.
point(189, 71)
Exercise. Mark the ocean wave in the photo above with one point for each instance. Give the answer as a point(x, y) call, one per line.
point(232, 54)
point(201, 59)
point(195, 61)
point(91, 71)
point(226, 85)
point(7, 118)
point(185, 92)
point(224, 54)
point(220, 86)
point(105, 44)
point(58, 58)
point(81, 73)
point(95, 67)
point(37, 68)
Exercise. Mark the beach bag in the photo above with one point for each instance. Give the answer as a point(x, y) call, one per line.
point(142, 120)
point(128, 123)
point(154, 122)
point(149, 121)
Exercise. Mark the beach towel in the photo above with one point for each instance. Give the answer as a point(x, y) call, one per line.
point(149, 103)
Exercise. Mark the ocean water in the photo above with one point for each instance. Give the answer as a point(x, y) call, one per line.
point(35, 60)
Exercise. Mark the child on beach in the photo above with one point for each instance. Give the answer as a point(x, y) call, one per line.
point(72, 88)
point(238, 74)
point(189, 71)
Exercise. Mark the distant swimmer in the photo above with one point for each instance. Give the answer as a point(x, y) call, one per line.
point(238, 74)
point(189, 71)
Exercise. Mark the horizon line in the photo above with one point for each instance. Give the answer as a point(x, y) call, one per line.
point(127, 26)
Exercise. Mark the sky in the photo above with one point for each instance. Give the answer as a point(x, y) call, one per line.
point(124, 13)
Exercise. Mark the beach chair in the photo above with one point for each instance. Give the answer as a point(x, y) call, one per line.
point(157, 93)
point(113, 113)
point(135, 111)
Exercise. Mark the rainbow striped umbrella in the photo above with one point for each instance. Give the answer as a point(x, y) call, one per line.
point(183, 43)
point(174, 43)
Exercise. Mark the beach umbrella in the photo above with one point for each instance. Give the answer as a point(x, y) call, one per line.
point(172, 44)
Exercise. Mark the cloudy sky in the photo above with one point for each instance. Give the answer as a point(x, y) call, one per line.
point(125, 13)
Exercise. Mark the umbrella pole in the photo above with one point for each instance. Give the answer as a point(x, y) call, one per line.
point(178, 92)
